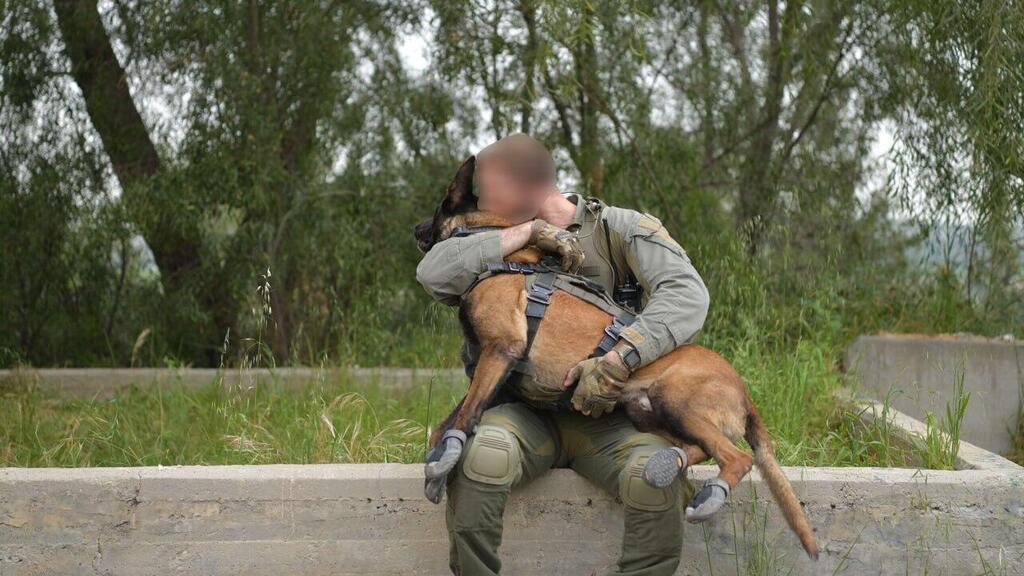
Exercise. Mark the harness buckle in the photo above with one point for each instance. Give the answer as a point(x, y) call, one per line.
point(520, 268)
point(540, 294)
point(510, 267)
point(614, 329)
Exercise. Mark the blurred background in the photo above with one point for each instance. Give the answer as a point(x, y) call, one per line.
point(235, 183)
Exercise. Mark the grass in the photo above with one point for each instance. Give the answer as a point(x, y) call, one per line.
point(1017, 434)
point(335, 421)
point(940, 446)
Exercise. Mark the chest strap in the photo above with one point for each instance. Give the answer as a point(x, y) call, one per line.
point(539, 290)
point(538, 296)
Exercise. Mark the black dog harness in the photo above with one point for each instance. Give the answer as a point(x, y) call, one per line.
point(542, 280)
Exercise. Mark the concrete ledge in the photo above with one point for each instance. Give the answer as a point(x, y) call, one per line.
point(373, 520)
point(103, 382)
point(908, 430)
point(922, 370)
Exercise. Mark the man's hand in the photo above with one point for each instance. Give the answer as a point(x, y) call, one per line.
point(553, 239)
point(601, 382)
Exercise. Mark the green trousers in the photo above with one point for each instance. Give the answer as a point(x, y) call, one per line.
point(515, 443)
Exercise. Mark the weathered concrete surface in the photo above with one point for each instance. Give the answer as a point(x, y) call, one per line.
point(373, 520)
point(103, 382)
point(922, 372)
point(908, 430)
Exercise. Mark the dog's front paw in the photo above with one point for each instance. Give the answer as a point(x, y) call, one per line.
point(708, 501)
point(433, 488)
point(440, 462)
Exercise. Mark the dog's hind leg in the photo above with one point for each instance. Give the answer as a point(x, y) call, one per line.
point(667, 464)
point(733, 464)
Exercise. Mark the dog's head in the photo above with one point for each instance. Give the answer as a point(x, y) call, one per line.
point(458, 201)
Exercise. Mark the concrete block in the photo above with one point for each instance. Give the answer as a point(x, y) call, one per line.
point(372, 519)
point(922, 372)
point(106, 382)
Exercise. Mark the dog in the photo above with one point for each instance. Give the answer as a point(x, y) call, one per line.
point(691, 396)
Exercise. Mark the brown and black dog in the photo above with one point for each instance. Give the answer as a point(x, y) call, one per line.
point(691, 396)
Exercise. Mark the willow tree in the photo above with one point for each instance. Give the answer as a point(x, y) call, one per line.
point(222, 123)
point(956, 88)
point(739, 93)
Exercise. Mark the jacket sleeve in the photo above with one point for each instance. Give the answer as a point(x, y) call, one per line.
point(677, 299)
point(448, 270)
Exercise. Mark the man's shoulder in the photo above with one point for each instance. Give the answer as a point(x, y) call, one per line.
point(628, 222)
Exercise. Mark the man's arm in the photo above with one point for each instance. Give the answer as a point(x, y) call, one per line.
point(677, 302)
point(452, 265)
point(677, 305)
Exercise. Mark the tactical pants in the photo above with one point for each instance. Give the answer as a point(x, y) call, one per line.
point(515, 443)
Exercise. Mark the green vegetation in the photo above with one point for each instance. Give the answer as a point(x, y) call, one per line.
point(293, 144)
point(335, 422)
point(1017, 455)
point(941, 444)
point(249, 201)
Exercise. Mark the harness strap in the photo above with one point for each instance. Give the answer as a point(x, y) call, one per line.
point(611, 334)
point(461, 231)
point(515, 267)
point(547, 277)
point(537, 299)
point(538, 296)
point(541, 283)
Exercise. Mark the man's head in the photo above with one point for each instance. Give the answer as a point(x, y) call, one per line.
point(513, 177)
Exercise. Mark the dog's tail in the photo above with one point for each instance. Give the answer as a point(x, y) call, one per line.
point(782, 490)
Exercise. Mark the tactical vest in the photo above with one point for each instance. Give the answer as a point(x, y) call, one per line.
point(607, 272)
point(605, 262)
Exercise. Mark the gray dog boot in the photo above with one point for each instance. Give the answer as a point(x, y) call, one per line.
point(440, 462)
point(664, 466)
point(708, 501)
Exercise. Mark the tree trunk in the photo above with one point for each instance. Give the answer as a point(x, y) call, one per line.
point(757, 192)
point(528, 9)
point(591, 164)
point(133, 156)
point(175, 243)
point(707, 127)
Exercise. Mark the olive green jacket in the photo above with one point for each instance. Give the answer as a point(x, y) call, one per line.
point(617, 243)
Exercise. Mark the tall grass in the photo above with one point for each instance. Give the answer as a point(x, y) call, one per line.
point(940, 446)
point(331, 422)
point(338, 421)
point(782, 319)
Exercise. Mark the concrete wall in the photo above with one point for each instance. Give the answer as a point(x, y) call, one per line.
point(922, 371)
point(373, 520)
point(102, 382)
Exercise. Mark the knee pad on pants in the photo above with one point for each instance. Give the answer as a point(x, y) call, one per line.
point(636, 493)
point(493, 456)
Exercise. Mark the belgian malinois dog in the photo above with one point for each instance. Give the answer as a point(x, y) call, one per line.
point(691, 396)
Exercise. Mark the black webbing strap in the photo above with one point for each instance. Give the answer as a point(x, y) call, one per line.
point(461, 231)
point(515, 267)
point(611, 334)
point(538, 296)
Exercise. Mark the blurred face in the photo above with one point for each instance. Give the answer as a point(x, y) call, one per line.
point(509, 197)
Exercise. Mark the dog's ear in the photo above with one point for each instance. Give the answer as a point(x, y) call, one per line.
point(460, 191)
